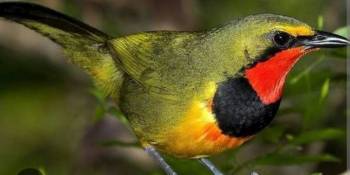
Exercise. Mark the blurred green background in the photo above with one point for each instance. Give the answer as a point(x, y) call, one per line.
point(52, 119)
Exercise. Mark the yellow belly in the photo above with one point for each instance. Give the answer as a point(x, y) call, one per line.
point(198, 135)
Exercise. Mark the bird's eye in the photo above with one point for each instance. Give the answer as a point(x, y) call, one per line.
point(282, 39)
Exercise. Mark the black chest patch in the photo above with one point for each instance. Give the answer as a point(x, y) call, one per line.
point(238, 109)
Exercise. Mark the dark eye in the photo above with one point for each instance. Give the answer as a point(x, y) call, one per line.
point(282, 39)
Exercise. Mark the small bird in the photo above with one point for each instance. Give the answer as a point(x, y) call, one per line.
point(186, 94)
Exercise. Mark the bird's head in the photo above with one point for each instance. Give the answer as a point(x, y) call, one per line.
point(270, 45)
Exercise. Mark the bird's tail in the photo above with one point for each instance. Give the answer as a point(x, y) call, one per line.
point(84, 45)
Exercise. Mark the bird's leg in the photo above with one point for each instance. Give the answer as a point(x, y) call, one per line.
point(155, 155)
point(211, 166)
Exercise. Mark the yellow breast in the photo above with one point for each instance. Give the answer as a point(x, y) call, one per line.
point(197, 134)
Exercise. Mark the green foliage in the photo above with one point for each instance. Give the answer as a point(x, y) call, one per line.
point(324, 90)
point(317, 135)
point(320, 22)
point(343, 31)
point(43, 113)
point(291, 159)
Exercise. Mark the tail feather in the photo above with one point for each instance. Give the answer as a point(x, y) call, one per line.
point(83, 45)
point(31, 15)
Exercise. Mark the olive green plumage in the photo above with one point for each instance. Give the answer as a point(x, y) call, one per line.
point(155, 76)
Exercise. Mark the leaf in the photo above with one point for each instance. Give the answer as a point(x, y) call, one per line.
point(343, 31)
point(324, 90)
point(289, 137)
point(42, 170)
point(320, 22)
point(292, 159)
point(317, 135)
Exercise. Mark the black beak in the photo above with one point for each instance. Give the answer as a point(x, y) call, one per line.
point(322, 40)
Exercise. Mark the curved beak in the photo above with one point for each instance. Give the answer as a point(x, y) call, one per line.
point(322, 40)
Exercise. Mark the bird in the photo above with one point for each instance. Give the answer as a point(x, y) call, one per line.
point(188, 94)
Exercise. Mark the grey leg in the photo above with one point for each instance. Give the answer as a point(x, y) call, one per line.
point(211, 166)
point(155, 155)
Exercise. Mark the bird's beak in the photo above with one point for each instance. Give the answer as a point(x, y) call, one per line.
point(322, 40)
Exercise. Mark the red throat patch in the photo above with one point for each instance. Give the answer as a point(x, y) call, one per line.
point(267, 78)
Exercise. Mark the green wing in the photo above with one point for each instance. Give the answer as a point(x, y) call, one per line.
point(135, 55)
point(153, 59)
